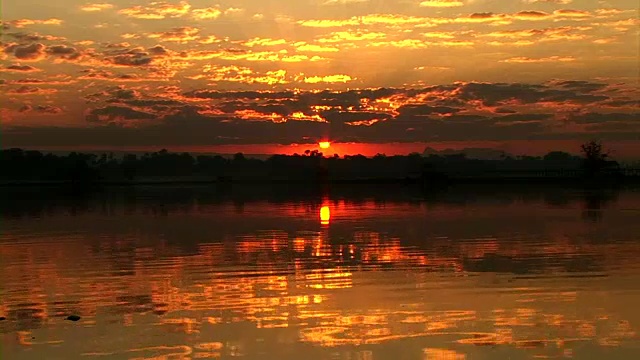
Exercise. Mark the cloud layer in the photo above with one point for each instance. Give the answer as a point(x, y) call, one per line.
point(185, 73)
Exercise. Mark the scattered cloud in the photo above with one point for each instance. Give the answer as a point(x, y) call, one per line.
point(180, 34)
point(157, 10)
point(206, 13)
point(96, 7)
point(30, 90)
point(31, 52)
point(528, 60)
point(328, 79)
point(20, 68)
point(441, 3)
point(343, 2)
point(41, 109)
point(560, 2)
point(26, 22)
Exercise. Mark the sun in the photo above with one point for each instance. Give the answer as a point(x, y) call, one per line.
point(324, 144)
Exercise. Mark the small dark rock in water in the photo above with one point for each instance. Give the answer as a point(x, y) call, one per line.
point(73, 317)
point(2, 318)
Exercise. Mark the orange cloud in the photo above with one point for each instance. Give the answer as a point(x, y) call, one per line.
point(572, 13)
point(441, 3)
point(264, 42)
point(24, 22)
point(346, 36)
point(538, 35)
point(34, 81)
point(96, 7)
point(561, 2)
point(206, 13)
point(271, 78)
point(42, 109)
point(300, 116)
point(605, 41)
point(528, 60)
point(328, 79)
point(532, 15)
point(157, 10)
point(440, 35)
point(104, 75)
point(30, 90)
point(302, 46)
point(233, 73)
point(513, 43)
point(180, 34)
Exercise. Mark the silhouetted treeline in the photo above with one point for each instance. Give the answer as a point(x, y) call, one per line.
point(24, 165)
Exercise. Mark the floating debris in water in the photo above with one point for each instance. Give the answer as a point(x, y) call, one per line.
point(2, 318)
point(73, 317)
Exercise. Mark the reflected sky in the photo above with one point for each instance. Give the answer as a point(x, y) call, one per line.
point(324, 278)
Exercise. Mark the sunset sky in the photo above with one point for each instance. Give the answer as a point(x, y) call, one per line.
point(370, 76)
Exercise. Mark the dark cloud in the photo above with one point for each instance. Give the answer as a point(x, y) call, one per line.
point(121, 45)
point(424, 110)
point(48, 109)
point(35, 51)
point(43, 109)
point(158, 50)
point(28, 81)
point(30, 90)
point(623, 103)
point(215, 94)
point(131, 60)
point(25, 108)
point(337, 117)
point(520, 118)
point(598, 118)
point(500, 94)
point(150, 102)
point(61, 50)
point(120, 93)
point(109, 113)
point(458, 112)
point(125, 56)
point(582, 86)
point(94, 74)
point(20, 68)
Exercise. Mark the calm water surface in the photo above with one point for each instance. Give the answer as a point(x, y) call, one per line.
point(193, 273)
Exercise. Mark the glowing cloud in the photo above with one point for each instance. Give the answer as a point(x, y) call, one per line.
point(328, 79)
point(96, 7)
point(441, 3)
point(527, 60)
point(157, 10)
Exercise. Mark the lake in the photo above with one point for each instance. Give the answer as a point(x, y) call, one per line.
point(337, 274)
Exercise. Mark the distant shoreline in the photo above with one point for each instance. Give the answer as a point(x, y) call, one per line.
point(164, 181)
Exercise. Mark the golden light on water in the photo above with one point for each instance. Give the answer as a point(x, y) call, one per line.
point(366, 295)
point(325, 215)
point(324, 144)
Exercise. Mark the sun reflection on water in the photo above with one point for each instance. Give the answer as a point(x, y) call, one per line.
point(325, 215)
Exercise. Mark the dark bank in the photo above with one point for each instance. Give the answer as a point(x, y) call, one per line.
point(27, 167)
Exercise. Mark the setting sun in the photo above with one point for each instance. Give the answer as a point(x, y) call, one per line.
point(324, 144)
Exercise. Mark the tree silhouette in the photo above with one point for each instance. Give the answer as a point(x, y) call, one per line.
point(593, 151)
point(596, 159)
point(28, 166)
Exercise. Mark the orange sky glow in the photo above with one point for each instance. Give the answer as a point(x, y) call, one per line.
point(368, 76)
